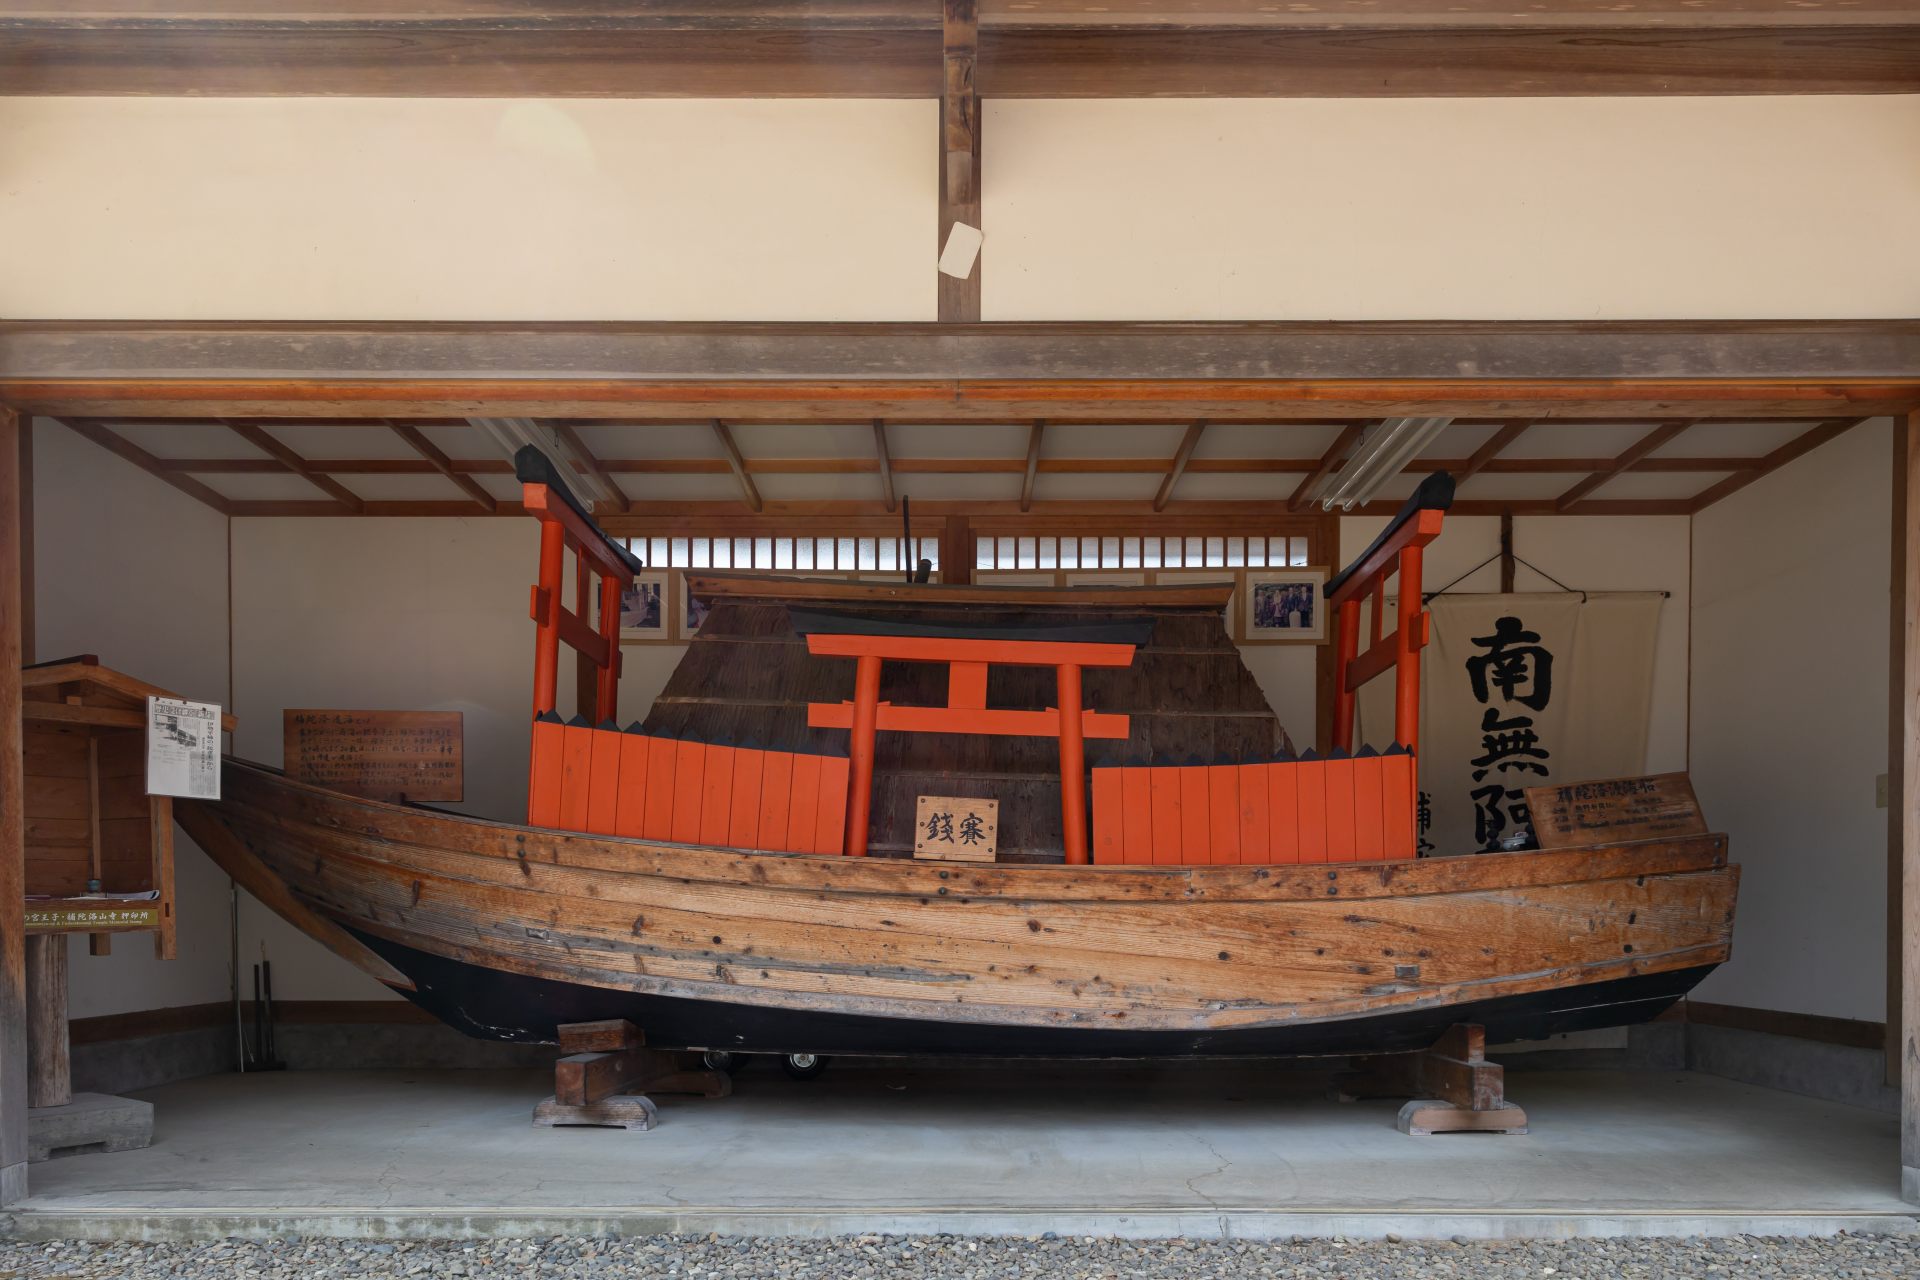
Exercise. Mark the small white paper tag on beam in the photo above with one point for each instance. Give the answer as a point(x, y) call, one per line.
point(963, 248)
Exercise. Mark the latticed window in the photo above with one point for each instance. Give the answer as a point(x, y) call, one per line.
point(808, 553)
point(999, 551)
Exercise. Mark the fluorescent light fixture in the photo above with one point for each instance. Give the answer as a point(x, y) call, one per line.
point(512, 433)
point(1383, 451)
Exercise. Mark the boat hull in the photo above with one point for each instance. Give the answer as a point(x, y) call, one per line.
point(506, 931)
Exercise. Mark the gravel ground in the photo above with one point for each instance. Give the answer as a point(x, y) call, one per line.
point(1849, 1257)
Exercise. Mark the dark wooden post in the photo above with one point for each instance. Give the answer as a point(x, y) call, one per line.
point(13, 889)
point(959, 151)
point(1904, 791)
point(49, 1070)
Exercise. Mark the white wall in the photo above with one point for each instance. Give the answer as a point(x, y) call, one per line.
point(580, 209)
point(467, 208)
point(1790, 708)
point(135, 571)
point(1459, 208)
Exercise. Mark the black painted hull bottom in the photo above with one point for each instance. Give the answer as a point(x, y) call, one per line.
point(493, 1005)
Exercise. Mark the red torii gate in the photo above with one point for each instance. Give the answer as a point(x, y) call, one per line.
point(966, 711)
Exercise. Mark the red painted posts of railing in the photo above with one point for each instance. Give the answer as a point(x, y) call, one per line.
point(866, 718)
point(1347, 643)
point(606, 701)
point(1073, 766)
point(546, 614)
point(1407, 644)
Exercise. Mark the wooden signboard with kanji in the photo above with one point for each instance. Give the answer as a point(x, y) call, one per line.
point(1578, 814)
point(956, 828)
point(381, 755)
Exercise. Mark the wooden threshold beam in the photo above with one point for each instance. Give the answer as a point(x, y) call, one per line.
point(444, 465)
point(748, 490)
point(1639, 449)
point(1034, 435)
point(1799, 446)
point(1181, 456)
point(571, 438)
point(883, 458)
point(291, 461)
point(124, 448)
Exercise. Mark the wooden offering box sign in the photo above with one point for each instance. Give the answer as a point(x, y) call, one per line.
point(381, 755)
point(1660, 807)
point(956, 828)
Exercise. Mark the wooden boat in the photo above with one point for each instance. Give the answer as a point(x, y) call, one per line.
point(781, 916)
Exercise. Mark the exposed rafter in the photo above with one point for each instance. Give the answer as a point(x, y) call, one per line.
point(1641, 448)
point(122, 447)
point(884, 460)
point(1034, 434)
point(1800, 445)
point(444, 465)
point(260, 439)
point(748, 490)
point(1328, 461)
point(1485, 455)
point(572, 439)
point(1178, 466)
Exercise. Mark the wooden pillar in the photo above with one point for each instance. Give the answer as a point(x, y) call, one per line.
point(13, 889)
point(49, 1070)
point(959, 299)
point(1073, 764)
point(1506, 553)
point(1904, 790)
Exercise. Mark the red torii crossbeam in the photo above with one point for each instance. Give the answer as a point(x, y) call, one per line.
point(967, 711)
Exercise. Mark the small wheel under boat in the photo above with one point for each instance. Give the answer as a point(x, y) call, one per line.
point(803, 1066)
point(723, 1060)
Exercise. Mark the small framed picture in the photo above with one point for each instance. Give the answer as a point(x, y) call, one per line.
point(692, 612)
point(1107, 578)
point(643, 608)
point(1285, 605)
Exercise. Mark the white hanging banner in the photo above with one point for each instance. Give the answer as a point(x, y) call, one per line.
point(183, 749)
point(1517, 691)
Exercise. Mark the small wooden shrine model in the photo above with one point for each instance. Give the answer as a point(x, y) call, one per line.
point(1173, 878)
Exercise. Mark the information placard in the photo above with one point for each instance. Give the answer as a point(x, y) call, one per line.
point(1661, 806)
point(957, 827)
point(183, 749)
point(382, 755)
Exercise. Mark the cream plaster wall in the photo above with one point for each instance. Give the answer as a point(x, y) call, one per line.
point(1397, 208)
point(135, 571)
point(1312, 209)
point(466, 209)
point(1790, 724)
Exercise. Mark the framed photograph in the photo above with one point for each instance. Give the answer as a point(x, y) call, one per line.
point(643, 608)
point(1285, 605)
point(1107, 578)
point(692, 612)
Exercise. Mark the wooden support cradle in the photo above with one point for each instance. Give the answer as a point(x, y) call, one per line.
point(608, 1073)
point(1453, 1086)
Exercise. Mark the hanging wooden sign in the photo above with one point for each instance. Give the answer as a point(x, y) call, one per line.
point(382, 755)
point(1577, 814)
point(956, 828)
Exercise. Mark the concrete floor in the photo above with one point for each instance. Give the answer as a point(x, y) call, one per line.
point(1167, 1151)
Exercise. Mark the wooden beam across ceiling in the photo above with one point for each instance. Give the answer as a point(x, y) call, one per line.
point(901, 355)
point(1799, 446)
point(883, 460)
point(444, 465)
point(1034, 435)
point(1181, 457)
point(892, 48)
point(572, 440)
point(748, 490)
point(1659, 436)
point(1328, 461)
point(1489, 453)
point(124, 448)
point(289, 460)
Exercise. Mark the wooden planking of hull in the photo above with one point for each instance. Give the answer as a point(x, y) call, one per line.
point(505, 931)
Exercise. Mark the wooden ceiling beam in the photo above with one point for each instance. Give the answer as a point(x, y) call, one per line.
point(1033, 463)
point(1181, 456)
point(1484, 456)
point(1639, 449)
point(748, 490)
point(883, 459)
point(794, 48)
point(571, 438)
point(291, 461)
point(124, 448)
point(1328, 461)
point(1799, 446)
point(444, 465)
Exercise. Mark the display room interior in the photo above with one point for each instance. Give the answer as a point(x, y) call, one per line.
point(988, 620)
